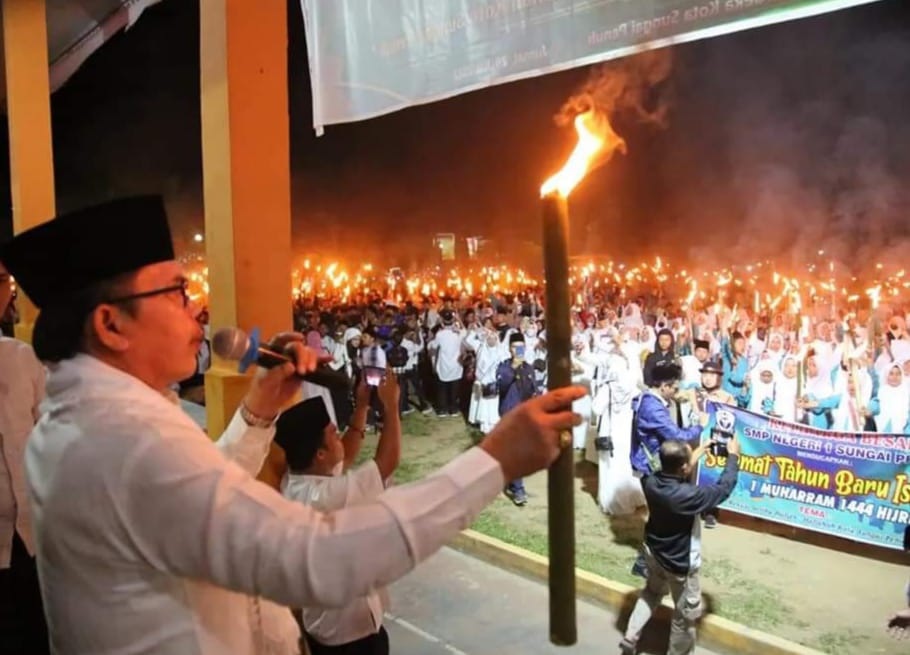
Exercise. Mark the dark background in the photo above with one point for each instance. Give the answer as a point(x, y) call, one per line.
point(780, 141)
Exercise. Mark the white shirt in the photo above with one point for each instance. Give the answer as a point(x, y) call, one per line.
point(363, 616)
point(149, 539)
point(447, 346)
point(21, 390)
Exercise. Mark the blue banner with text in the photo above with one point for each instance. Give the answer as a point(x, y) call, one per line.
point(851, 485)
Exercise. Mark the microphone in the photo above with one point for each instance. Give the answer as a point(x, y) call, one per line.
point(233, 344)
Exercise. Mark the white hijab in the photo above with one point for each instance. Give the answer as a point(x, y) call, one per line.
point(842, 414)
point(820, 387)
point(761, 390)
point(894, 402)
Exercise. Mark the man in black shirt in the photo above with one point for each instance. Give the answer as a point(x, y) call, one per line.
point(673, 541)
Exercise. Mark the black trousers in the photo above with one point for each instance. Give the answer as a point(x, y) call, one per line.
point(22, 627)
point(412, 376)
point(375, 644)
point(448, 397)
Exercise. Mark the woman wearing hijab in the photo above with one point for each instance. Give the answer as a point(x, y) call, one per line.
point(786, 388)
point(484, 408)
point(763, 387)
point(618, 491)
point(893, 401)
point(819, 398)
point(855, 386)
point(736, 367)
point(775, 349)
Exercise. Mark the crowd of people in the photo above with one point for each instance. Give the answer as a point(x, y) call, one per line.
point(476, 358)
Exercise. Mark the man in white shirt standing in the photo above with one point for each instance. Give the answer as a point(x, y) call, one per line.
point(319, 475)
point(446, 348)
point(152, 539)
point(22, 627)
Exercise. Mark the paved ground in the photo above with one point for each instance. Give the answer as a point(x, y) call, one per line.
point(454, 604)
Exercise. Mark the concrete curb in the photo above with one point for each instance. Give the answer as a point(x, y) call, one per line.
point(715, 631)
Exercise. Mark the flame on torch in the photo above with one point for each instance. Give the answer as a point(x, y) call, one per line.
point(594, 134)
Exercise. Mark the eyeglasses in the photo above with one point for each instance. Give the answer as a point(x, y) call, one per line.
point(182, 288)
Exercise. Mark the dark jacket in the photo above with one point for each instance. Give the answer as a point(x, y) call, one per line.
point(515, 385)
point(659, 358)
point(673, 531)
point(651, 426)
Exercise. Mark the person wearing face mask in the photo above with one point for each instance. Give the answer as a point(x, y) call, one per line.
point(320, 475)
point(515, 382)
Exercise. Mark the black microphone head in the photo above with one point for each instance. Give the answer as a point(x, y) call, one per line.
point(230, 343)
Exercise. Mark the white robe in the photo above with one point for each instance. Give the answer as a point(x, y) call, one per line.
point(484, 412)
point(150, 539)
point(761, 391)
point(618, 491)
point(582, 406)
point(785, 396)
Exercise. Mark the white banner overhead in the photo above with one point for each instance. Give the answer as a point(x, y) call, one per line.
point(372, 57)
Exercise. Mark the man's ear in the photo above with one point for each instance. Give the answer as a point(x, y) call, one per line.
point(106, 324)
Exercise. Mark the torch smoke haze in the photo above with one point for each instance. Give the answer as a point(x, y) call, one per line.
point(230, 343)
point(812, 151)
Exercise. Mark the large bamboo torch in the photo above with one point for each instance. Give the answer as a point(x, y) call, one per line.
point(593, 134)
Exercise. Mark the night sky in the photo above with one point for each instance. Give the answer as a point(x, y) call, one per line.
point(780, 141)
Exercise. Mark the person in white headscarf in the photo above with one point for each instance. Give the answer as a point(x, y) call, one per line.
point(819, 397)
point(483, 410)
point(893, 401)
point(775, 351)
point(827, 350)
point(647, 340)
point(631, 315)
point(786, 391)
point(618, 490)
point(352, 349)
point(854, 384)
point(762, 384)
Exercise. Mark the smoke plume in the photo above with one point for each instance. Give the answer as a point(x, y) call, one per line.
point(794, 150)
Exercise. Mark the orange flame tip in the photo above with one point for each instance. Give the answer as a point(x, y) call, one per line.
point(590, 142)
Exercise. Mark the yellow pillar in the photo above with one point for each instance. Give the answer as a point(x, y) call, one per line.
point(246, 179)
point(30, 146)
